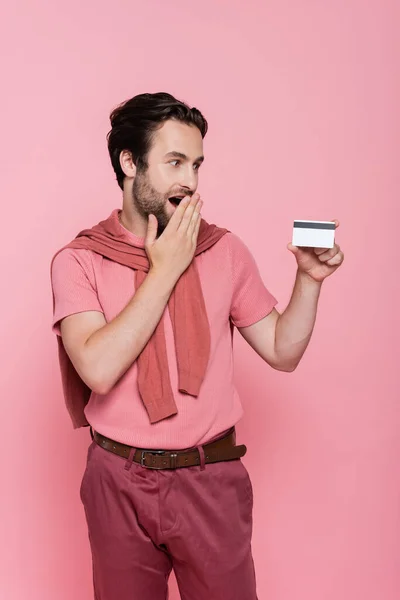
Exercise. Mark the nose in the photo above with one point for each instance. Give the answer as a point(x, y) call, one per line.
point(188, 179)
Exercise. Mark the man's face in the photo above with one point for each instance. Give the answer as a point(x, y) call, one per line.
point(173, 163)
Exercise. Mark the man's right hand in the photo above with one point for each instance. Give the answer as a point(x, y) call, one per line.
point(174, 250)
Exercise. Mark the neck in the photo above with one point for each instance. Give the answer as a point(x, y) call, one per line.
point(131, 219)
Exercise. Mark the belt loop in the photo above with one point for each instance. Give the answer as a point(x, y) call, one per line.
point(129, 460)
point(202, 459)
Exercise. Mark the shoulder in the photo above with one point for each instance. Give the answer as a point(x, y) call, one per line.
point(73, 262)
point(66, 257)
point(232, 243)
point(231, 249)
point(238, 250)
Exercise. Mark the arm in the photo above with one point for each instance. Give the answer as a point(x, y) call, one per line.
point(102, 352)
point(281, 339)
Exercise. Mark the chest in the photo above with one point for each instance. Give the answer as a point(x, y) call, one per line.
point(116, 286)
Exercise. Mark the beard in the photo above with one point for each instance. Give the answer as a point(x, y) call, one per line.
point(147, 200)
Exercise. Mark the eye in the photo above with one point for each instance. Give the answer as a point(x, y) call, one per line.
point(196, 167)
point(171, 162)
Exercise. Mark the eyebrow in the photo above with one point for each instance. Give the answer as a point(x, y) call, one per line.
point(173, 154)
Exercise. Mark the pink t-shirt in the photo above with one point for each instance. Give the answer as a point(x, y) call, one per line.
point(234, 294)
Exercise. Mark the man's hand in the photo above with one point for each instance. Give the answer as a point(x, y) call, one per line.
point(318, 263)
point(173, 251)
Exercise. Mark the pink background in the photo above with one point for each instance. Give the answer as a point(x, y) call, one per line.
point(302, 100)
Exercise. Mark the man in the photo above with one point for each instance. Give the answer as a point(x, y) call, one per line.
point(145, 304)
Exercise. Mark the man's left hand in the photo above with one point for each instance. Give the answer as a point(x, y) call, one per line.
point(318, 263)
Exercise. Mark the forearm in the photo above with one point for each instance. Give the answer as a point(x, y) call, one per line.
point(111, 350)
point(295, 325)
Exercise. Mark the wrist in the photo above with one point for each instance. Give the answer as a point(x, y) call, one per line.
point(164, 276)
point(306, 279)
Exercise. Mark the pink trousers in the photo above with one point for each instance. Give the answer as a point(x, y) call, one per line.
point(143, 523)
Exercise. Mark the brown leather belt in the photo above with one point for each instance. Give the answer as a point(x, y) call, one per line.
point(216, 451)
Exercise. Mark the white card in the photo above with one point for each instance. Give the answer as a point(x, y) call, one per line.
point(314, 234)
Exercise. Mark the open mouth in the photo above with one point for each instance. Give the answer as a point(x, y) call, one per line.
point(176, 200)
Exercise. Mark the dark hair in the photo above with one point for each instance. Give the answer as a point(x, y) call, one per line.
point(134, 121)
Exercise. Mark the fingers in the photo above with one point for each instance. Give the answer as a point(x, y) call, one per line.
point(325, 255)
point(186, 203)
point(190, 212)
point(319, 251)
point(176, 218)
point(151, 233)
point(196, 229)
point(195, 220)
point(336, 260)
point(293, 249)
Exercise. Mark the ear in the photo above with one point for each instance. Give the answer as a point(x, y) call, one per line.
point(127, 164)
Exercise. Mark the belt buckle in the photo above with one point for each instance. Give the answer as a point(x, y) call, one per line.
point(173, 456)
point(143, 456)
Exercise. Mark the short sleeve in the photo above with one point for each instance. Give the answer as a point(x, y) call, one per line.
point(73, 285)
point(251, 300)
